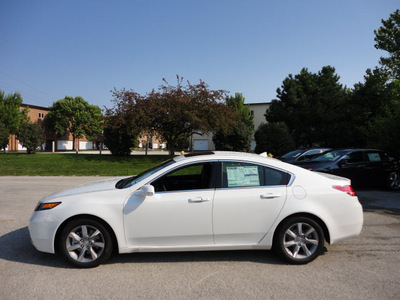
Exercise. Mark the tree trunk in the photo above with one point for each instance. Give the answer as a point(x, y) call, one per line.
point(147, 144)
point(171, 148)
point(76, 144)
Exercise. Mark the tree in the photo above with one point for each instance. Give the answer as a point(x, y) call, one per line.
point(273, 138)
point(4, 136)
point(314, 107)
point(372, 100)
point(31, 136)
point(376, 111)
point(10, 115)
point(75, 116)
point(174, 112)
point(238, 137)
point(387, 38)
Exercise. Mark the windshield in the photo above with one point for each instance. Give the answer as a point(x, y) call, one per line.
point(293, 154)
point(128, 182)
point(331, 155)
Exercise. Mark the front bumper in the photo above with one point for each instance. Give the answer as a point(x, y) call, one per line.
point(42, 229)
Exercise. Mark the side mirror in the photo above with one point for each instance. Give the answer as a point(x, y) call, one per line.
point(343, 162)
point(147, 190)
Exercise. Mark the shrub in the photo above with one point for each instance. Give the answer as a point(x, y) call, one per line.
point(119, 141)
point(31, 136)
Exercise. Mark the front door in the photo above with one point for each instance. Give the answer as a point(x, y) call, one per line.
point(178, 215)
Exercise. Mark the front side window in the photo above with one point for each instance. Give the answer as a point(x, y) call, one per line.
point(191, 177)
point(355, 157)
point(128, 182)
point(330, 156)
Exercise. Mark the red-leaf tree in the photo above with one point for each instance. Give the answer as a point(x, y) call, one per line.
point(174, 112)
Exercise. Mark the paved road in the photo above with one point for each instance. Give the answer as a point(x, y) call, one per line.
point(367, 267)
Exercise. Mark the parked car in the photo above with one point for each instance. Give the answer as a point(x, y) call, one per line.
point(365, 167)
point(302, 154)
point(195, 202)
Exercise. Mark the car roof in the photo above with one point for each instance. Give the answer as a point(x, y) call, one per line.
point(353, 150)
point(231, 155)
point(221, 155)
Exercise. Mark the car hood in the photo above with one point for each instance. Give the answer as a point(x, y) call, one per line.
point(97, 186)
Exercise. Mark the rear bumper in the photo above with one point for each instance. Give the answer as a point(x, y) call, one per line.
point(350, 225)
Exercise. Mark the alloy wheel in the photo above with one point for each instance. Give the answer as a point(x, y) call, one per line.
point(85, 243)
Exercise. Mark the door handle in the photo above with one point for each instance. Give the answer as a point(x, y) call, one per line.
point(269, 196)
point(198, 199)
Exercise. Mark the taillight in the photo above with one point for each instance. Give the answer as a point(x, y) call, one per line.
point(345, 188)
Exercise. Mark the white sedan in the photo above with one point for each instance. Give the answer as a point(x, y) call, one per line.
point(195, 202)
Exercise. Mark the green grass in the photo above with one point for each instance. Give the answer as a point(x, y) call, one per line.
point(54, 164)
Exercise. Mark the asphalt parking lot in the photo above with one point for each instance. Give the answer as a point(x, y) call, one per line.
point(366, 267)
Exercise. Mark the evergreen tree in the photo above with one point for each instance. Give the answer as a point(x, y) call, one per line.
point(387, 38)
point(314, 107)
point(273, 138)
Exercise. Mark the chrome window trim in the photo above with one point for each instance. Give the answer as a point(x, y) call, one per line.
point(291, 180)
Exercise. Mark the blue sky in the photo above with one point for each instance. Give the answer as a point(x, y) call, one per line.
point(50, 49)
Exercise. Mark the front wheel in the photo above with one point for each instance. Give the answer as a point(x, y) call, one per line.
point(85, 243)
point(299, 240)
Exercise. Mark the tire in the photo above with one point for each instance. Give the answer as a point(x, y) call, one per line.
point(394, 181)
point(299, 240)
point(85, 243)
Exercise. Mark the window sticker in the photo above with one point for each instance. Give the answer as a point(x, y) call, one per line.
point(374, 157)
point(243, 176)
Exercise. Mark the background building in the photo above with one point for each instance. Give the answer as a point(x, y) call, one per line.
point(204, 142)
point(37, 114)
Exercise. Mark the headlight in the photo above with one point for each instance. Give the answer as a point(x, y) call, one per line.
point(44, 206)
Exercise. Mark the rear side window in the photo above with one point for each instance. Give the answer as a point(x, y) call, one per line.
point(374, 157)
point(276, 177)
point(238, 174)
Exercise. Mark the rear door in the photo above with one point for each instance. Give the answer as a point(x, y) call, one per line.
point(378, 168)
point(247, 202)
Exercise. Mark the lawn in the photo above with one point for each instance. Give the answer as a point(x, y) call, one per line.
point(55, 164)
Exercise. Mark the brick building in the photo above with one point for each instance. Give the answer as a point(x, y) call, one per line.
point(53, 143)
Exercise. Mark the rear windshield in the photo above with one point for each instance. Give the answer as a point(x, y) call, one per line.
point(293, 154)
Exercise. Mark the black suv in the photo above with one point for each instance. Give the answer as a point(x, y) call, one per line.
point(365, 167)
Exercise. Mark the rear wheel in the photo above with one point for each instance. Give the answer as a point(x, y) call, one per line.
point(85, 243)
point(299, 240)
point(394, 181)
